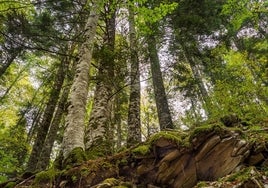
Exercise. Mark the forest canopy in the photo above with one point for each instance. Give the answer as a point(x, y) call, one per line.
point(100, 76)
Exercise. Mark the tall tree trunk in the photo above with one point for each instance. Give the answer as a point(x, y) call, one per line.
point(44, 158)
point(34, 125)
point(203, 93)
point(134, 123)
point(47, 117)
point(98, 131)
point(75, 126)
point(164, 116)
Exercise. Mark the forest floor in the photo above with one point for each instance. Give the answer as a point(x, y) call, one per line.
point(211, 155)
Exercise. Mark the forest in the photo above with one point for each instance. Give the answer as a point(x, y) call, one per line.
point(138, 93)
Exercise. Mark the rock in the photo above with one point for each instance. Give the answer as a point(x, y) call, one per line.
point(205, 149)
point(255, 159)
point(171, 156)
point(240, 148)
point(219, 160)
point(163, 142)
point(209, 153)
point(186, 173)
point(180, 173)
point(265, 163)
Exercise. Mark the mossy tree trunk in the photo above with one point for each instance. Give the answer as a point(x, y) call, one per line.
point(98, 133)
point(75, 126)
point(134, 122)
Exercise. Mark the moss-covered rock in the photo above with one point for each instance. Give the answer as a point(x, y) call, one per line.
point(174, 136)
point(46, 176)
point(141, 150)
point(205, 129)
point(173, 159)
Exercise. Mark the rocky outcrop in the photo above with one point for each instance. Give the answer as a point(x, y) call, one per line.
point(210, 154)
point(176, 159)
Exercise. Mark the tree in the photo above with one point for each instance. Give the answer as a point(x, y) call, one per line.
point(60, 112)
point(14, 23)
point(134, 122)
point(199, 61)
point(47, 117)
point(164, 116)
point(97, 138)
point(73, 137)
point(151, 12)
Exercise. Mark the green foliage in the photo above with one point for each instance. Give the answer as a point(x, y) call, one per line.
point(22, 6)
point(243, 12)
point(13, 151)
point(238, 90)
point(147, 16)
point(235, 75)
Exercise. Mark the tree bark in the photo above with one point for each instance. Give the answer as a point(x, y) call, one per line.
point(134, 122)
point(164, 116)
point(47, 117)
point(74, 128)
point(44, 159)
point(98, 132)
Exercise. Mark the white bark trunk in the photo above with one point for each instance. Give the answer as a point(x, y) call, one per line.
point(75, 125)
point(134, 124)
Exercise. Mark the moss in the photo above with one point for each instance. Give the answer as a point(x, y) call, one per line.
point(46, 176)
point(201, 184)
point(257, 135)
point(111, 181)
point(125, 185)
point(122, 162)
point(76, 157)
point(95, 153)
point(255, 128)
point(141, 150)
point(107, 165)
point(58, 161)
point(100, 148)
point(206, 129)
point(84, 171)
point(240, 176)
point(74, 178)
point(174, 136)
point(10, 185)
